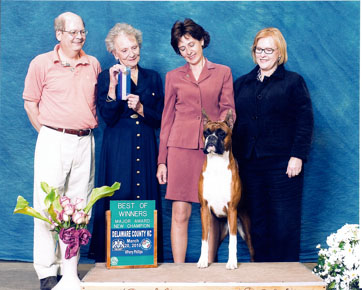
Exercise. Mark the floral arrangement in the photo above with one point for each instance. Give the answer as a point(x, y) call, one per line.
point(338, 265)
point(69, 220)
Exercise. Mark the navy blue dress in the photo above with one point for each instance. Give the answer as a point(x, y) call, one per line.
point(129, 150)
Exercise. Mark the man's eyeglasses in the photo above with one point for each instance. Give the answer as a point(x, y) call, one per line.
point(267, 50)
point(74, 33)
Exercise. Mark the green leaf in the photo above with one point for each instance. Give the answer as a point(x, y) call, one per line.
point(21, 203)
point(354, 285)
point(22, 206)
point(101, 192)
point(341, 245)
point(53, 214)
point(332, 285)
point(50, 198)
point(56, 204)
point(45, 187)
point(52, 194)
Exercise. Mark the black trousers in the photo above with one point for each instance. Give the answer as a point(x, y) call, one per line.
point(274, 203)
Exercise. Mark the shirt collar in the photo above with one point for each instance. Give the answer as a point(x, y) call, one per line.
point(186, 68)
point(83, 59)
point(279, 73)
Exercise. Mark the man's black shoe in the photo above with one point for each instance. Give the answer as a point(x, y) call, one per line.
point(48, 283)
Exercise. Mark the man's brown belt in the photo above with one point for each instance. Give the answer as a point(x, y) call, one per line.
point(79, 133)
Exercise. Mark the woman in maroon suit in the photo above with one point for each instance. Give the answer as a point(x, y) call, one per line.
point(199, 84)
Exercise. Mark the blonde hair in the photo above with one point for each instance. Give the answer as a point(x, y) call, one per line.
point(122, 28)
point(278, 39)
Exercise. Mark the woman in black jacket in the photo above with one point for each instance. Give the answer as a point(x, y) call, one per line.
point(271, 141)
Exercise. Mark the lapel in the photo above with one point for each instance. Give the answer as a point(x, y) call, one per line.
point(205, 73)
point(142, 83)
point(187, 74)
point(142, 79)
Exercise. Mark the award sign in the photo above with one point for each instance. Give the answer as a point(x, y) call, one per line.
point(124, 84)
point(132, 234)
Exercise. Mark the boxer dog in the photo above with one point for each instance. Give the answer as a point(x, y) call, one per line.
point(220, 190)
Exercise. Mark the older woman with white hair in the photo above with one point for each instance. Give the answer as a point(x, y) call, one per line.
point(129, 149)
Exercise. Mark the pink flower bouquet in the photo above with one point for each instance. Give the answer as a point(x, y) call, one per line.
point(68, 219)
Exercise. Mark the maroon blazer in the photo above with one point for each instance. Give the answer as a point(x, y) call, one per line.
point(185, 98)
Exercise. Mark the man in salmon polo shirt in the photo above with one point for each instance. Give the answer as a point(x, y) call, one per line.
point(59, 98)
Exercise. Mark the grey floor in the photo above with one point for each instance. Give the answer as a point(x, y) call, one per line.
point(21, 276)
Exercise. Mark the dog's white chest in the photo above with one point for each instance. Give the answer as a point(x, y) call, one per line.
point(217, 182)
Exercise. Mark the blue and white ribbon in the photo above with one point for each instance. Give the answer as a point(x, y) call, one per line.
point(124, 84)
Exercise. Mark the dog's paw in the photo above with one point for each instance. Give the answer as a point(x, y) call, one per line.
point(232, 264)
point(202, 263)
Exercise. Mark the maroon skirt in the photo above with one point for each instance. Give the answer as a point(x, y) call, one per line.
point(183, 171)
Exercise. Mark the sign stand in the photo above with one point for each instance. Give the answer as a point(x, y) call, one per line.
point(130, 243)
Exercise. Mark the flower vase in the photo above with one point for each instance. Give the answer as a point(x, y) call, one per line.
point(70, 279)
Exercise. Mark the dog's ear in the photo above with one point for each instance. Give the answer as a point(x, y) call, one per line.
point(205, 117)
point(229, 119)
